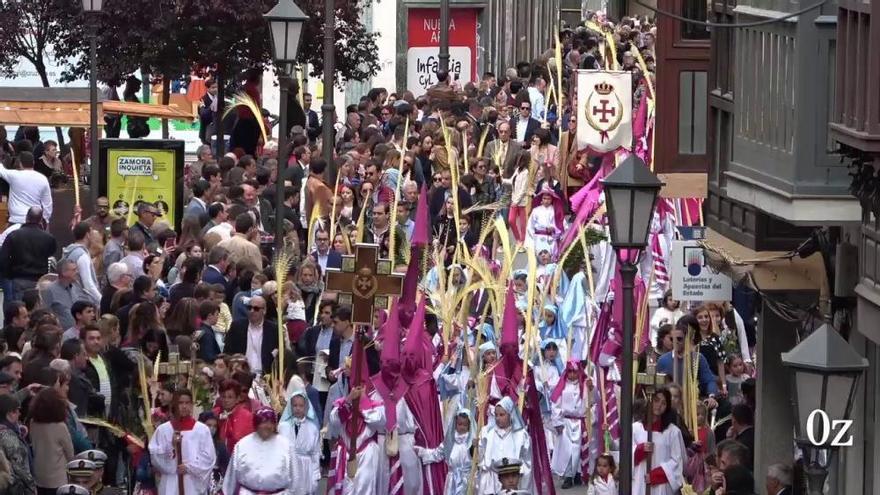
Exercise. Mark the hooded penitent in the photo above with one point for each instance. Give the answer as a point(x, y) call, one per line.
point(407, 305)
point(388, 382)
point(421, 396)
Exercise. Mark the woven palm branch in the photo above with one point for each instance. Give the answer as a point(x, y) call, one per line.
point(244, 100)
point(112, 428)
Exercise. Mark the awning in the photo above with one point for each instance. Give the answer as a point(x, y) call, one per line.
point(69, 107)
point(771, 270)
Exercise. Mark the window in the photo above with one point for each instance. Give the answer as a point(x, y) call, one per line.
point(692, 112)
point(696, 10)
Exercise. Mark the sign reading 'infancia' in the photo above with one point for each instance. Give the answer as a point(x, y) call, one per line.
point(693, 279)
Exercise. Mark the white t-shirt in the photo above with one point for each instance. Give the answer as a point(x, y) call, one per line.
point(27, 188)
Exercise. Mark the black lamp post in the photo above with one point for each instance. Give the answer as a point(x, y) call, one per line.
point(443, 57)
point(631, 194)
point(92, 8)
point(826, 372)
point(285, 24)
point(328, 109)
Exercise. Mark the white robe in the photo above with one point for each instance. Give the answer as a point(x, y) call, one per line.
point(543, 220)
point(546, 378)
point(459, 463)
point(598, 486)
point(199, 456)
point(496, 444)
point(306, 455)
point(410, 465)
point(456, 385)
point(259, 465)
point(566, 459)
point(669, 454)
point(364, 482)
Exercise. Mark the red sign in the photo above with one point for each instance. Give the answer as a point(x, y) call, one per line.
point(424, 46)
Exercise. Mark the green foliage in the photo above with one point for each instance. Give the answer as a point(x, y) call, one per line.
point(575, 258)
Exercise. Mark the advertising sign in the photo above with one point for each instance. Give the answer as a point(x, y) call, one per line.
point(423, 47)
point(693, 279)
point(135, 170)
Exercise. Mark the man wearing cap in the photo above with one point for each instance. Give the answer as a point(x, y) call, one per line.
point(99, 458)
point(508, 471)
point(72, 489)
point(81, 472)
point(147, 214)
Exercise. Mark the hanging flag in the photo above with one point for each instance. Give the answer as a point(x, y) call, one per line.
point(605, 109)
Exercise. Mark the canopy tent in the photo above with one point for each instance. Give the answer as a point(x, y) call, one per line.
point(69, 107)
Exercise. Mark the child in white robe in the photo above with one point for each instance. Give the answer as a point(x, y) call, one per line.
point(668, 453)
point(299, 424)
point(547, 373)
point(367, 449)
point(196, 445)
point(507, 438)
point(569, 422)
point(603, 481)
point(455, 451)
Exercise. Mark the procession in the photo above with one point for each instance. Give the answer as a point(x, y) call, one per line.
point(498, 274)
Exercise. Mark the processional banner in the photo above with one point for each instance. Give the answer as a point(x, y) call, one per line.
point(604, 110)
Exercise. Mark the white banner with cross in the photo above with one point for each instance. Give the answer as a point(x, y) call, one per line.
point(604, 110)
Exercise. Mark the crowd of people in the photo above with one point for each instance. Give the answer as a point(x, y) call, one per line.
point(195, 358)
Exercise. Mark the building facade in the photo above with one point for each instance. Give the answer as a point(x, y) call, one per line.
point(855, 126)
point(780, 104)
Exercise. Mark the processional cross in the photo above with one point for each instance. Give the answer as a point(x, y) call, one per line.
point(364, 282)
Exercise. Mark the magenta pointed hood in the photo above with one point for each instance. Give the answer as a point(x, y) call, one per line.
point(422, 221)
point(509, 323)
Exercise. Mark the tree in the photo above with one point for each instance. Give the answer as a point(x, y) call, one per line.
point(28, 29)
point(356, 51)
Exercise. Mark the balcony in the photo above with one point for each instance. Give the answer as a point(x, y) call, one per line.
point(856, 120)
point(781, 159)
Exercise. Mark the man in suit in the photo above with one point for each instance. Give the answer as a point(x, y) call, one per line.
point(218, 262)
point(255, 337)
point(504, 149)
point(742, 429)
point(313, 127)
point(343, 341)
point(779, 479)
point(207, 109)
point(524, 126)
point(197, 206)
point(323, 254)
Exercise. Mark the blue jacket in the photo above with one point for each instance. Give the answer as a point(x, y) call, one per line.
point(704, 374)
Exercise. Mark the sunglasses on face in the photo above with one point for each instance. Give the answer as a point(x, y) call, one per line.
point(525, 108)
point(255, 308)
point(678, 339)
point(436, 179)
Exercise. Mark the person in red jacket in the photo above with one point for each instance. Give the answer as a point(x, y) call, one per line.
point(236, 420)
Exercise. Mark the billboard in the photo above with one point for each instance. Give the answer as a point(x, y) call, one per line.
point(135, 170)
point(423, 47)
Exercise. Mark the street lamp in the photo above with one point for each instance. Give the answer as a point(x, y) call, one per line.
point(631, 192)
point(328, 109)
point(286, 25)
point(92, 8)
point(826, 372)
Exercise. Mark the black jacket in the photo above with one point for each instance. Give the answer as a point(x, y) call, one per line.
point(83, 395)
point(236, 341)
point(208, 346)
point(122, 371)
point(25, 253)
point(306, 346)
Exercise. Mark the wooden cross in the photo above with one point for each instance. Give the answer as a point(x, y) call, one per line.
point(364, 282)
point(650, 380)
point(174, 366)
